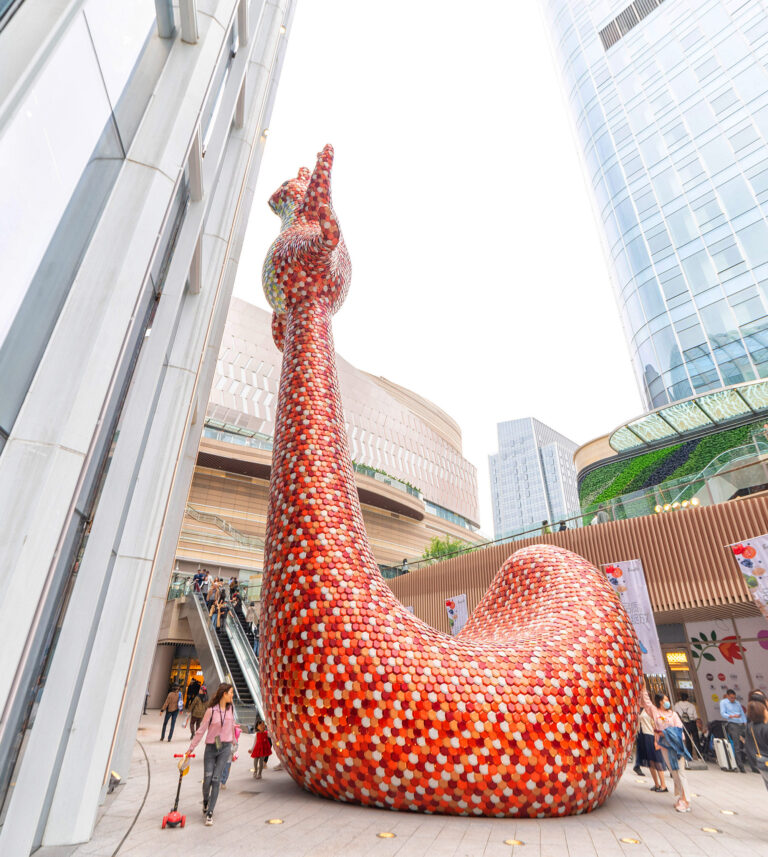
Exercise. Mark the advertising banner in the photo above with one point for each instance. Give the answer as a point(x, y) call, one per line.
point(628, 579)
point(456, 608)
point(752, 557)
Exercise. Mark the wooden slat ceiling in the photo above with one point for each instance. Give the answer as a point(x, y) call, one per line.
point(689, 568)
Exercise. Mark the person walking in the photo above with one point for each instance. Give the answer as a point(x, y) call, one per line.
point(756, 743)
point(261, 750)
point(193, 688)
point(171, 709)
point(197, 711)
point(687, 712)
point(668, 731)
point(218, 726)
point(735, 726)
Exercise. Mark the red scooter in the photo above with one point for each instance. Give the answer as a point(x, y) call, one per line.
point(174, 817)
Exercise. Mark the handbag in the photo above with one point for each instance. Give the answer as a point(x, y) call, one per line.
point(759, 757)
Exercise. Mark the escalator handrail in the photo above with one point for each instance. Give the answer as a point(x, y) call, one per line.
point(245, 656)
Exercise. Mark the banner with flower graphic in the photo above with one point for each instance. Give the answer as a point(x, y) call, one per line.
point(628, 579)
point(752, 557)
point(456, 608)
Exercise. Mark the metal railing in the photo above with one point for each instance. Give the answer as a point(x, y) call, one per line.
point(392, 481)
point(223, 524)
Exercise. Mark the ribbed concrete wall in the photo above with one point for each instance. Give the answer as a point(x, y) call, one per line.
point(690, 572)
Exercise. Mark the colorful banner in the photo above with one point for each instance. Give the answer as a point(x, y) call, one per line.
point(457, 613)
point(628, 579)
point(752, 557)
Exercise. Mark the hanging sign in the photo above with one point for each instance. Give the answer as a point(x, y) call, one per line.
point(628, 579)
point(456, 608)
point(752, 557)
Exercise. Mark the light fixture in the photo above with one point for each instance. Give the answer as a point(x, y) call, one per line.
point(695, 501)
point(728, 812)
point(265, 134)
point(667, 507)
point(274, 821)
point(629, 840)
point(658, 509)
point(710, 830)
point(514, 842)
point(686, 504)
point(386, 834)
point(282, 28)
point(675, 505)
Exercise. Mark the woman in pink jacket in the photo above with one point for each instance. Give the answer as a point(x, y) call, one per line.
point(218, 726)
point(668, 732)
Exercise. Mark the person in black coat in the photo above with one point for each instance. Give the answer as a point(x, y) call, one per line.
point(193, 688)
point(756, 738)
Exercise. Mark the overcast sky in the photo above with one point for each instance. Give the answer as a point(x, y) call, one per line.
point(479, 280)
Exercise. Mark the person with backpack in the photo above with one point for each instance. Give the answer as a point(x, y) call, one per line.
point(197, 711)
point(218, 727)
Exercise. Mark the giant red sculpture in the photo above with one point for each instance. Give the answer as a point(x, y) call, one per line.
point(530, 711)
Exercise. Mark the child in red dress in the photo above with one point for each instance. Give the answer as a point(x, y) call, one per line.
point(262, 749)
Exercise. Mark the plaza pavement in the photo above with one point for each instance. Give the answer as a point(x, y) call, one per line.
point(129, 823)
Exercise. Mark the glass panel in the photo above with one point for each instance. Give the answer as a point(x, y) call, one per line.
point(68, 105)
point(756, 395)
point(723, 405)
point(623, 439)
point(686, 416)
point(652, 428)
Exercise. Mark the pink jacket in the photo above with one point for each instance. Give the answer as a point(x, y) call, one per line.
point(215, 724)
point(662, 718)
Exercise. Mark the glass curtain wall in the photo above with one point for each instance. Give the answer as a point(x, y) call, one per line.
point(671, 106)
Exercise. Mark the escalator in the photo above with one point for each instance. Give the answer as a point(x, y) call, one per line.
point(226, 655)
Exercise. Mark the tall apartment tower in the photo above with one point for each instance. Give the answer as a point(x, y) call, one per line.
point(670, 99)
point(533, 478)
point(131, 136)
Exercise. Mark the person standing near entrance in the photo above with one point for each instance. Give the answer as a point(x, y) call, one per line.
point(735, 726)
point(687, 712)
point(218, 726)
point(171, 709)
point(757, 733)
point(668, 731)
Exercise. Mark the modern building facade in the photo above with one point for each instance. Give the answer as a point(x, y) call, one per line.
point(533, 478)
point(413, 480)
point(670, 99)
point(130, 141)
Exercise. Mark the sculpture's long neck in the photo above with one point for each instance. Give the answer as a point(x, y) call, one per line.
point(312, 480)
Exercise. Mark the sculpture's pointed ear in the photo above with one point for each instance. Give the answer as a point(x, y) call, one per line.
point(319, 188)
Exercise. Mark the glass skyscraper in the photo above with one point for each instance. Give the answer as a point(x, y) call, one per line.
point(671, 107)
point(533, 477)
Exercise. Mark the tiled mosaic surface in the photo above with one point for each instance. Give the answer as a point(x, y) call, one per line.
point(530, 711)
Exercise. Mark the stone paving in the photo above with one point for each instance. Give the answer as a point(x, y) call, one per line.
point(129, 823)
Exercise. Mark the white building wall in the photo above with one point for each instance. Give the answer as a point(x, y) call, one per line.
point(79, 721)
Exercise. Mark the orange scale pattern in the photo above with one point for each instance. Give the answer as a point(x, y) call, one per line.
point(530, 711)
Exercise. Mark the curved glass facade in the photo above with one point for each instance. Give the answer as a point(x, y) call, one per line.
point(672, 119)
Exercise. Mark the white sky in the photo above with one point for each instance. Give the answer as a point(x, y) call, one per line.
point(478, 279)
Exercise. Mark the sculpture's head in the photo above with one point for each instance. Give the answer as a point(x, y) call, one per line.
point(287, 197)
